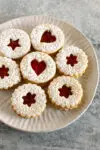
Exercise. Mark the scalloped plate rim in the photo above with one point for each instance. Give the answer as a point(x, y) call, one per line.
point(97, 81)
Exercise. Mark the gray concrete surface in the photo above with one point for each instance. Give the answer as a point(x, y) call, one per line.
point(84, 134)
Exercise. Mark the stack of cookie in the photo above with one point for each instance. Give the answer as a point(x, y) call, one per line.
point(49, 68)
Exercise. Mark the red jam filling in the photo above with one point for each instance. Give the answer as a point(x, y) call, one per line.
point(72, 60)
point(4, 71)
point(13, 44)
point(47, 37)
point(65, 91)
point(29, 99)
point(38, 67)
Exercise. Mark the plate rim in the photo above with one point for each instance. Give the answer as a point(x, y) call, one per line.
point(97, 81)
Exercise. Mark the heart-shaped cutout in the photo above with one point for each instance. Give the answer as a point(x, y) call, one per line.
point(47, 37)
point(38, 67)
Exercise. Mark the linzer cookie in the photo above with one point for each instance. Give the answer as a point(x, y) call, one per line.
point(47, 38)
point(14, 43)
point(28, 100)
point(9, 73)
point(38, 67)
point(72, 61)
point(65, 92)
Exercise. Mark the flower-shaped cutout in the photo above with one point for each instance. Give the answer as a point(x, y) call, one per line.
point(29, 99)
point(4, 71)
point(72, 60)
point(65, 91)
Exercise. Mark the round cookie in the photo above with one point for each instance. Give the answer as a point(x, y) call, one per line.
point(14, 43)
point(65, 92)
point(9, 73)
point(47, 38)
point(28, 100)
point(38, 67)
point(72, 61)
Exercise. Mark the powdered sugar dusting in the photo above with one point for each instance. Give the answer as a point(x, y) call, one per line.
point(47, 47)
point(73, 100)
point(14, 73)
point(36, 108)
point(67, 69)
point(14, 34)
point(30, 74)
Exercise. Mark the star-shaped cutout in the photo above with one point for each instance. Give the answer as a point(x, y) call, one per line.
point(72, 60)
point(4, 71)
point(14, 43)
point(65, 91)
point(29, 99)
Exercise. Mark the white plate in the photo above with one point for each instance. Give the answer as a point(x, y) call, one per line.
point(52, 119)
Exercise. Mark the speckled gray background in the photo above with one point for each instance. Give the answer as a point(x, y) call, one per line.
point(84, 134)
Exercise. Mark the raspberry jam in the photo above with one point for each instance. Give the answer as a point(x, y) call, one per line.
point(13, 44)
point(65, 91)
point(29, 99)
point(38, 67)
point(4, 71)
point(47, 37)
point(72, 60)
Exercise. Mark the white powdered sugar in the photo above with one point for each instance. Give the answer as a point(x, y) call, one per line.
point(14, 34)
point(49, 48)
point(23, 109)
point(13, 77)
point(81, 65)
point(29, 73)
point(73, 100)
